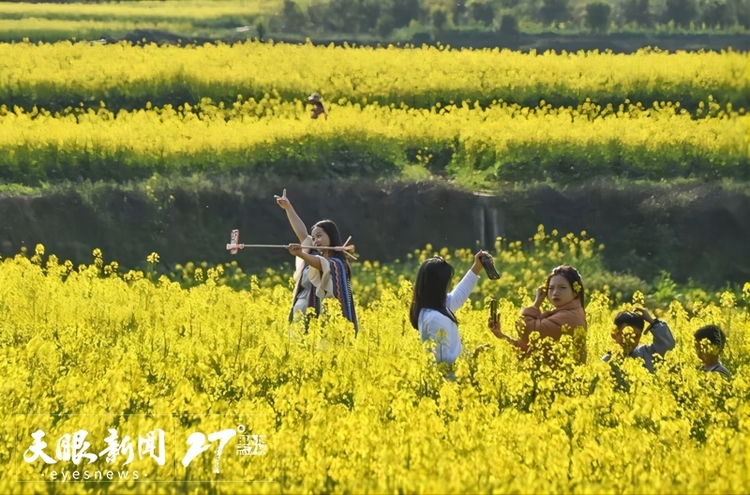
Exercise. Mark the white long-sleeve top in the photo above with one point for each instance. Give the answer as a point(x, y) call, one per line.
point(430, 322)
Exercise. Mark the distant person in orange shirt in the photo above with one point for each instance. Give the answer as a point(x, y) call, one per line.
point(314, 99)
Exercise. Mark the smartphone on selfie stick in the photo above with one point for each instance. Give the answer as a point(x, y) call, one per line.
point(493, 310)
point(489, 267)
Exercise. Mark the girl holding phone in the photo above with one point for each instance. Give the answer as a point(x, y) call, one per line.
point(432, 308)
point(564, 289)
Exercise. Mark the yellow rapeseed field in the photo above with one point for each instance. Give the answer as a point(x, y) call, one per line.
point(346, 414)
point(272, 135)
point(420, 77)
point(199, 10)
point(245, 402)
point(92, 21)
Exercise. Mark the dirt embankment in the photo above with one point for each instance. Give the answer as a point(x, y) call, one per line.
point(617, 42)
point(692, 231)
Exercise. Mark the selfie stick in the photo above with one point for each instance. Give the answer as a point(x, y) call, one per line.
point(234, 246)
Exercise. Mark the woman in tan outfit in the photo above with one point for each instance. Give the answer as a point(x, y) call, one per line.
point(564, 289)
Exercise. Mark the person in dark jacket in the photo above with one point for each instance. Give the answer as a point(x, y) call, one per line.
point(629, 328)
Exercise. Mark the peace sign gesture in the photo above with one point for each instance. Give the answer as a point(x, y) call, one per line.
point(282, 201)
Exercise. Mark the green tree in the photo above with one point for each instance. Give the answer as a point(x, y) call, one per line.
point(597, 16)
point(716, 12)
point(293, 18)
point(554, 11)
point(405, 11)
point(483, 12)
point(508, 25)
point(439, 19)
point(459, 11)
point(637, 11)
point(386, 24)
point(682, 12)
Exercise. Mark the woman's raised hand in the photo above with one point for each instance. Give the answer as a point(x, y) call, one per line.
point(643, 313)
point(494, 326)
point(541, 295)
point(282, 201)
point(477, 266)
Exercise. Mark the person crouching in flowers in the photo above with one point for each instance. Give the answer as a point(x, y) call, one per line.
point(628, 331)
point(709, 344)
point(432, 308)
point(318, 274)
point(564, 289)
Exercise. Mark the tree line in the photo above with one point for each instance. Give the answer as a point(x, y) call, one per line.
point(383, 17)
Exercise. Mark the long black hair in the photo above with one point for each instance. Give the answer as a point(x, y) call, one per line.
point(431, 289)
point(332, 231)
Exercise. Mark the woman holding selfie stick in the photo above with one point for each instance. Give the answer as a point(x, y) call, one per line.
point(564, 289)
point(319, 273)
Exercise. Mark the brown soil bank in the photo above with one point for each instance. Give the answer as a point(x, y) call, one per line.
point(699, 231)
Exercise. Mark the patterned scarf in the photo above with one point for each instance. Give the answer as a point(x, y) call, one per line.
point(342, 290)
